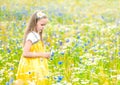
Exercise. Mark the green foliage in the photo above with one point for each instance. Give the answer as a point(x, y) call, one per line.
point(83, 35)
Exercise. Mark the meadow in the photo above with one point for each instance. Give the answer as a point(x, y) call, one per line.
point(83, 36)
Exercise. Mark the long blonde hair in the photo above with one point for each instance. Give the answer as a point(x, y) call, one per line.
point(31, 26)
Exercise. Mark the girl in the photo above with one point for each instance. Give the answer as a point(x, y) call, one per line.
point(33, 66)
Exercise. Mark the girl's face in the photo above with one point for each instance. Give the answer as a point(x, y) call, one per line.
point(41, 24)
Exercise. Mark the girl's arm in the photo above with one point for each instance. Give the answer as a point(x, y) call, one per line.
point(27, 53)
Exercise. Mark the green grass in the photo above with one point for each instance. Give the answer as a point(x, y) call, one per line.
point(84, 35)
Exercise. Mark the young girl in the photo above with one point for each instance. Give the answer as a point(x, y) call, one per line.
point(33, 66)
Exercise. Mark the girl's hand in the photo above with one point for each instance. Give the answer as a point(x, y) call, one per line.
point(47, 54)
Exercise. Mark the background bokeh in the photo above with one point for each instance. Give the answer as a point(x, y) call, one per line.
point(83, 36)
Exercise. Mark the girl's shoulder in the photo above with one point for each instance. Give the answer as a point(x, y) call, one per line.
point(33, 36)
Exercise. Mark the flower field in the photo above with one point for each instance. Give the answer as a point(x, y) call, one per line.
point(82, 35)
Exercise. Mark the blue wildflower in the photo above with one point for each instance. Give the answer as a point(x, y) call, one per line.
point(24, 11)
point(85, 44)
point(7, 83)
point(67, 40)
point(3, 7)
point(88, 41)
point(59, 78)
point(62, 53)
point(55, 78)
point(60, 14)
point(8, 50)
point(78, 37)
point(80, 59)
point(76, 45)
point(51, 58)
point(60, 62)
point(95, 50)
point(17, 42)
point(60, 42)
point(102, 17)
point(11, 80)
point(52, 53)
point(11, 68)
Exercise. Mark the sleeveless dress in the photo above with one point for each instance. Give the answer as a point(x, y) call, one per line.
point(34, 71)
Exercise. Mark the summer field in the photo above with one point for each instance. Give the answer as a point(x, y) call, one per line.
point(83, 36)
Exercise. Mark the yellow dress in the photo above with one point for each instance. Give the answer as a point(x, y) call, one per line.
point(34, 71)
